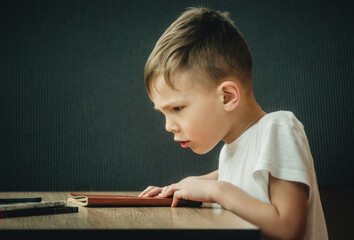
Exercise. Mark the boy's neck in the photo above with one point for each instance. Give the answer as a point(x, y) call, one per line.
point(247, 114)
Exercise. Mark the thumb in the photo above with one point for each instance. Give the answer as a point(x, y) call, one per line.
point(176, 198)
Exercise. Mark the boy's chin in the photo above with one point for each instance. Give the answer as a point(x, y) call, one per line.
point(200, 151)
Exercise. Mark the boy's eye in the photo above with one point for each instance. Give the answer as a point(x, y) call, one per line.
point(177, 109)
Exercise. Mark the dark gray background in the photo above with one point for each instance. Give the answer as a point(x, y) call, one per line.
point(74, 114)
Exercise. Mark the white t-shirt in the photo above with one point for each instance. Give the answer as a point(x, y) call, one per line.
point(278, 145)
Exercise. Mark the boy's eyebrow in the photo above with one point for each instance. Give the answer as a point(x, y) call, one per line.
point(163, 107)
point(167, 105)
point(155, 108)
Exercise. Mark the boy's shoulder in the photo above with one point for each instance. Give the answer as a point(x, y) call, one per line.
point(280, 118)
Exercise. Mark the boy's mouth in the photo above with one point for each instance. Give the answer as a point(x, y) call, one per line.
point(184, 144)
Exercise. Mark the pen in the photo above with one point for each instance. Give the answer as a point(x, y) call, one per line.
point(20, 200)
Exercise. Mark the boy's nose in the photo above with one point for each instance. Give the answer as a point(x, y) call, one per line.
point(171, 126)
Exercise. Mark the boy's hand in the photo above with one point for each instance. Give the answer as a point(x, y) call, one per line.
point(153, 191)
point(190, 189)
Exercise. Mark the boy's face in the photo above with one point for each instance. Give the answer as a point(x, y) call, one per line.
point(195, 115)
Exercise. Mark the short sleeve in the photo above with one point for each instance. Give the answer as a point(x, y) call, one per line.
point(283, 151)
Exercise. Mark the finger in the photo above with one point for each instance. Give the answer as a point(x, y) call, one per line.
point(169, 190)
point(164, 190)
point(146, 190)
point(150, 191)
point(176, 197)
point(153, 192)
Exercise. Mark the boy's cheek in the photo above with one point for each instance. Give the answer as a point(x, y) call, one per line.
point(195, 132)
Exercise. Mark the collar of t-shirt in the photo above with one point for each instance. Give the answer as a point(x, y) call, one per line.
point(242, 140)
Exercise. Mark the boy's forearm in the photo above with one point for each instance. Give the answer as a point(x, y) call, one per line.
point(210, 176)
point(263, 215)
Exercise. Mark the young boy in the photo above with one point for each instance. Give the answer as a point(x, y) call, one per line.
point(199, 76)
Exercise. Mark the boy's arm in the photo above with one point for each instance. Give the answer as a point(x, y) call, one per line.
point(210, 176)
point(284, 218)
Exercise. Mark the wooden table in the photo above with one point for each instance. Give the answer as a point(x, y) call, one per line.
point(206, 221)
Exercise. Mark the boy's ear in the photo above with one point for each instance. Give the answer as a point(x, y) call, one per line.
point(229, 93)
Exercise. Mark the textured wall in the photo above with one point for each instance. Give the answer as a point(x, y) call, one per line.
point(74, 114)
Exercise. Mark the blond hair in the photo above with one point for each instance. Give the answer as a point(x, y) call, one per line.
point(204, 40)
